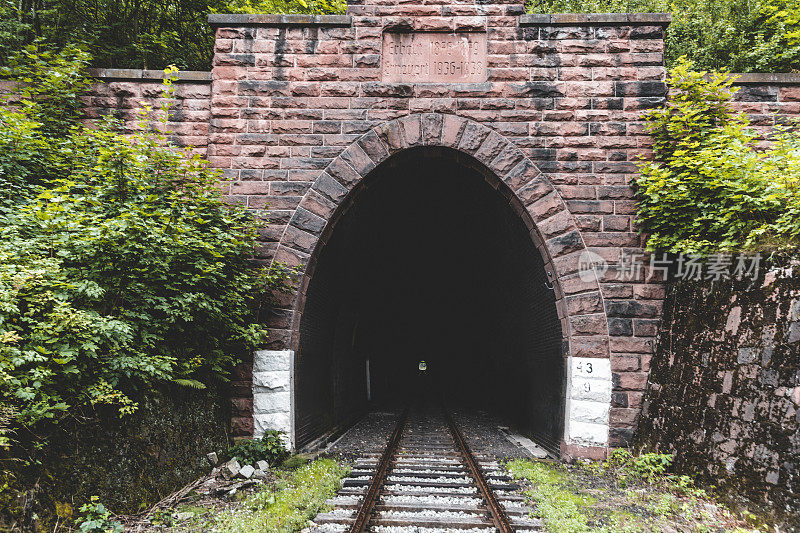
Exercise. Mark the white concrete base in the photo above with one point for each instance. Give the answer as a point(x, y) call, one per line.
point(273, 393)
point(588, 401)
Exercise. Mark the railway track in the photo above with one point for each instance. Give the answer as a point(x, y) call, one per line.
point(427, 480)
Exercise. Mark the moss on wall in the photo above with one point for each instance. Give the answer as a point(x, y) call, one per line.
point(129, 463)
point(724, 389)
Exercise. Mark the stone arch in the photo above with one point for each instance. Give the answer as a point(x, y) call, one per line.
point(553, 229)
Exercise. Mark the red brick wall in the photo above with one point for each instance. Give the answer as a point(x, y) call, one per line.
point(121, 93)
point(300, 115)
point(768, 99)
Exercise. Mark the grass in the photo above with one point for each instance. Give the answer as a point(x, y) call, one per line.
point(296, 497)
point(626, 494)
point(562, 510)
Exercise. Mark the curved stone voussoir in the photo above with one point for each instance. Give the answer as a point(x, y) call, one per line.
point(412, 130)
point(452, 129)
point(535, 189)
point(472, 138)
point(374, 146)
point(564, 244)
point(316, 203)
point(432, 129)
point(344, 172)
point(357, 158)
point(291, 257)
point(491, 148)
point(392, 135)
point(546, 206)
point(307, 221)
point(328, 187)
point(521, 174)
point(507, 160)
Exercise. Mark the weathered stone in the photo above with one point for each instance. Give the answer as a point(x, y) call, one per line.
point(212, 458)
point(231, 468)
point(246, 472)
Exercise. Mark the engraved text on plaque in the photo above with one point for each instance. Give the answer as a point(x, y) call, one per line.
point(434, 57)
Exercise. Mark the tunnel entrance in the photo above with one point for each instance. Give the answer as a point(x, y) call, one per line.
point(429, 262)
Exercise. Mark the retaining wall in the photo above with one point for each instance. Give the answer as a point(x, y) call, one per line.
point(724, 389)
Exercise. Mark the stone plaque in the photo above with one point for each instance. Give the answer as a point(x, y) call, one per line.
point(434, 57)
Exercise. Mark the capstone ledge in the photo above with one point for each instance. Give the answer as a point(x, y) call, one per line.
point(572, 19)
point(220, 19)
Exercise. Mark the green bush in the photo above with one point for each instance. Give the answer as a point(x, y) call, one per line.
point(150, 34)
point(120, 265)
point(710, 187)
point(95, 518)
point(269, 448)
point(648, 466)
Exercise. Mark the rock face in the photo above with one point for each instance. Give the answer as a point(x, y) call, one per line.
point(724, 390)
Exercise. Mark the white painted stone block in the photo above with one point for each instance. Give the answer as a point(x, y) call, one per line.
point(590, 390)
point(271, 421)
point(590, 368)
point(588, 434)
point(272, 360)
point(273, 402)
point(273, 380)
point(588, 401)
point(591, 412)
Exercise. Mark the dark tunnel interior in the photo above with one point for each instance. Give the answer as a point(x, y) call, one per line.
point(429, 263)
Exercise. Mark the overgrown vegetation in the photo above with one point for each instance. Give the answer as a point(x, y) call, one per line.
point(295, 498)
point(626, 493)
point(95, 518)
point(709, 186)
point(150, 34)
point(737, 35)
point(269, 448)
point(121, 268)
point(740, 35)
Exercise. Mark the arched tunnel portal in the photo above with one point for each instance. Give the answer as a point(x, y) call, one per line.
point(426, 260)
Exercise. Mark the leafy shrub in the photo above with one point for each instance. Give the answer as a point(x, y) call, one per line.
point(120, 265)
point(95, 518)
point(710, 188)
point(307, 7)
point(648, 466)
point(269, 448)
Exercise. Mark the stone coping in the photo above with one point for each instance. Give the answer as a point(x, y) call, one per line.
point(575, 19)
point(766, 78)
point(196, 76)
point(220, 19)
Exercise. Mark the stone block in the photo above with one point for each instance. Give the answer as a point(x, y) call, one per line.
point(271, 422)
point(587, 433)
point(274, 380)
point(271, 402)
point(589, 412)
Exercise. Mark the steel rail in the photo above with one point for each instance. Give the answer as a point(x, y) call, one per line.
point(496, 511)
point(375, 486)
